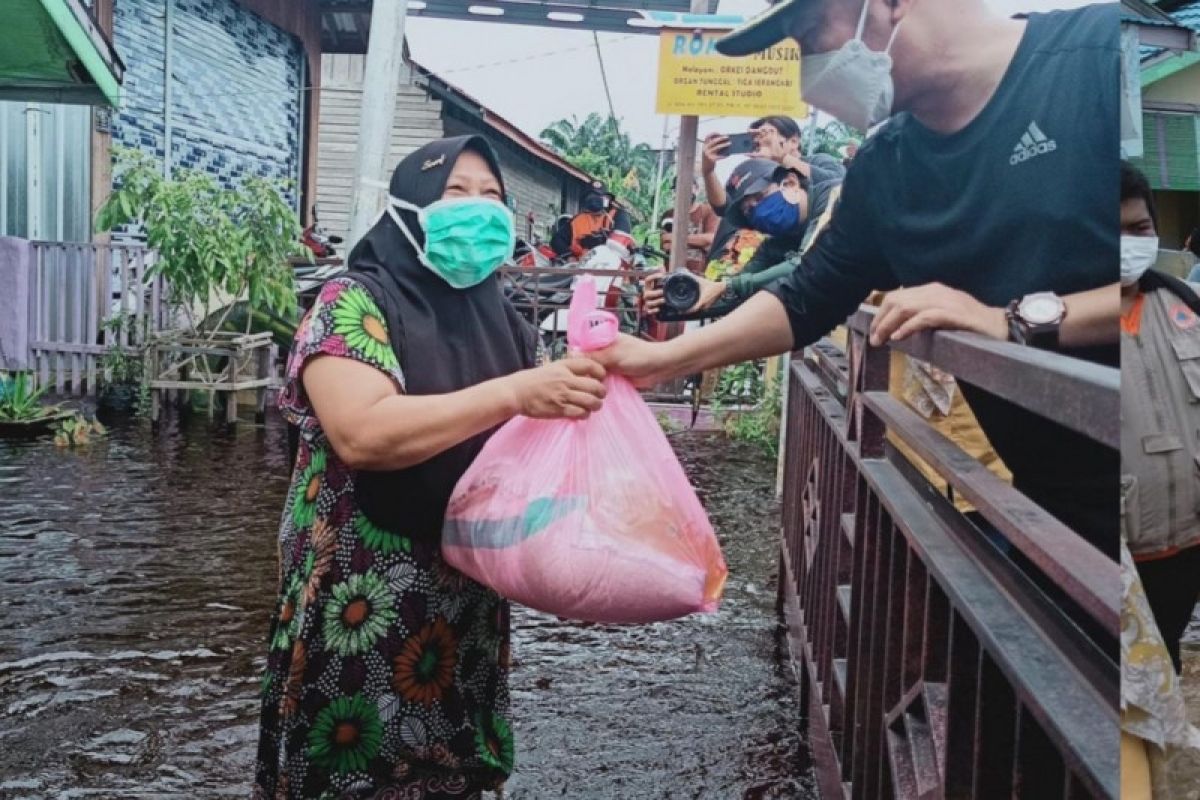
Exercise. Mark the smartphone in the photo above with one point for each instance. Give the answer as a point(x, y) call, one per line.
point(741, 144)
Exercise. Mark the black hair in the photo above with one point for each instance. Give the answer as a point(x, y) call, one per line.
point(1134, 186)
point(787, 127)
point(1193, 241)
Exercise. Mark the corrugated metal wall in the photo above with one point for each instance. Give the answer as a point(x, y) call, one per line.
point(232, 104)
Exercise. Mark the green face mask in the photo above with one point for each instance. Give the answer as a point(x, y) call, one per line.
point(466, 238)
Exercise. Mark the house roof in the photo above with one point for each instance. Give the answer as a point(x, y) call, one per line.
point(497, 123)
point(345, 24)
point(53, 51)
point(1164, 36)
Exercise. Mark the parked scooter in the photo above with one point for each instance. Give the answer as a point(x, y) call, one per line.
point(317, 240)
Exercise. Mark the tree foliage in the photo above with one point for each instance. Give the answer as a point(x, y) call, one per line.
point(600, 147)
point(209, 239)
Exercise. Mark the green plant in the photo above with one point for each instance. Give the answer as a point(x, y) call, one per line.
point(829, 138)
point(20, 401)
point(740, 385)
point(752, 408)
point(668, 424)
point(760, 425)
point(210, 240)
point(77, 430)
point(122, 365)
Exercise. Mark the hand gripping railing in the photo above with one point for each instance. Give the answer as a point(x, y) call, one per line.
point(934, 664)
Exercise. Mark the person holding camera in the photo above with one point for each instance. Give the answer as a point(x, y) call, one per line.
point(702, 227)
point(775, 201)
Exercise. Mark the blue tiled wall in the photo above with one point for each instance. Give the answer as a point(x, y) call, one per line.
point(234, 92)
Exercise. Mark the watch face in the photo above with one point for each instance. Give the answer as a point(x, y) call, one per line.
point(1040, 309)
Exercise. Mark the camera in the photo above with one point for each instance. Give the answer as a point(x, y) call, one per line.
point(681, 291)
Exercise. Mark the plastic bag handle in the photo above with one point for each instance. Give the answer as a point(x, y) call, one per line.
point(588, 329)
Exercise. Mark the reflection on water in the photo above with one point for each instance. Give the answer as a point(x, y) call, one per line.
point(136, 578)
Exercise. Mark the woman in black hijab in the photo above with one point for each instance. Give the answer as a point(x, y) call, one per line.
point(387, 671)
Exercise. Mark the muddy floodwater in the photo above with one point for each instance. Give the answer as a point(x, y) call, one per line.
point(137, 577)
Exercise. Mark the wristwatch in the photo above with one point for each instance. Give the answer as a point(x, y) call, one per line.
point(1035, 320)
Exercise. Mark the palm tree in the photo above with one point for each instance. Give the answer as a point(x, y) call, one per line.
point(599, 147)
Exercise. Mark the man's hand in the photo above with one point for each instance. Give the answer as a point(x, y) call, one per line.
point(907, 311)
point(772, 148)
point(646, 364)
point(795, 162)
point(715, 145)
point(652, 293)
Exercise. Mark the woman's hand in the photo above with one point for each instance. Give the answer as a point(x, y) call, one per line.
point(571, 388)
point(644, 363)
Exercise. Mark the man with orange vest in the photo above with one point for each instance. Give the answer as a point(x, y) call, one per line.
point(591, 226)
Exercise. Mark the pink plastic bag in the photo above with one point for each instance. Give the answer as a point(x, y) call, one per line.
point(591, 520)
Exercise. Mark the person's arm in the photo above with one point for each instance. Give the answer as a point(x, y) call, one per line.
point(701, 241)
point(714, 144)
point(746, 283)
point(372, 426)
point(840, 270)
point(1093, 317)
point(560, 242)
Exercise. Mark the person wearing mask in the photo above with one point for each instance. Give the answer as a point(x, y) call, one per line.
point(702, 226)
point(774, 201)
point(1160, 495)
point(1160, 415)
point(590, 228)
point(399, 374)
point(960, 198)
point(776, 139)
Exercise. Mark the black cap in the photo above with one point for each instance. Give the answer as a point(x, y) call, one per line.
point(750, 177)
point(767, 29)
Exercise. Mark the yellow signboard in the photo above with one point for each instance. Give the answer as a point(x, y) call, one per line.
point(695, 80)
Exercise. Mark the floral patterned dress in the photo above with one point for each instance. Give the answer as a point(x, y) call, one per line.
point(387, 670)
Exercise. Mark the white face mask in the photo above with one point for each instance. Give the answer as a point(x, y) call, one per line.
point(853, 83)
point(1138, 254)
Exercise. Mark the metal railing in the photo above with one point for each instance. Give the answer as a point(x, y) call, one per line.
point(932, 666)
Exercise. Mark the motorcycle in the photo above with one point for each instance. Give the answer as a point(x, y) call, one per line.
point(317, 240)
point(545, 296)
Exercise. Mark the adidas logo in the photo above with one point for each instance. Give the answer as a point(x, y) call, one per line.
point(1033, 143)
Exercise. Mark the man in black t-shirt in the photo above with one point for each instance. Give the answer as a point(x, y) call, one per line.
point(996, 178)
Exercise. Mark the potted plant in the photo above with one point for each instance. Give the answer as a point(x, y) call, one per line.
point(121, 367)
point(21, 411)
point(224, 253)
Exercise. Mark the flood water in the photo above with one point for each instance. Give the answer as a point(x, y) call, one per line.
point(137, 577)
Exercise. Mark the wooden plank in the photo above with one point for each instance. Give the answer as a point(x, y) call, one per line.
point(78, 268)
point(93, 315)
point(123, 336)
point(69, 348)
point(59, 334)
point(214, 387)
point(139, 283)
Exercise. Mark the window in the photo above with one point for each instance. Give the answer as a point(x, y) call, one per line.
point(45, 171)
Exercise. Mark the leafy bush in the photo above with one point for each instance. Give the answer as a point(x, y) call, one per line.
point(19, 401)
point(743, 386)
point(209, 239)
